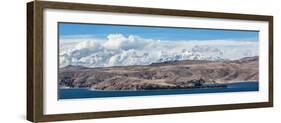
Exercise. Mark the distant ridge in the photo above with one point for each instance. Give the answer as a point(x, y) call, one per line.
point(68, 67)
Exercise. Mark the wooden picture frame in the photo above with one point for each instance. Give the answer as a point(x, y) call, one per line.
point(35, 60)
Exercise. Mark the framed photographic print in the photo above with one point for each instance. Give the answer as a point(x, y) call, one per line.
point(89, 61)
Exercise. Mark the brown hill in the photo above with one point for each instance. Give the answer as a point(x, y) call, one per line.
point(172, 74)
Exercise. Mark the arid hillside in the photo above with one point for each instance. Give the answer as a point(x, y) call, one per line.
point(165, 75)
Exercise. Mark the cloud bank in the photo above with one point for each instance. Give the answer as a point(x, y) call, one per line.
point(120, 50)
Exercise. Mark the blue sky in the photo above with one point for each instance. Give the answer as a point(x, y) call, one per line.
point(159, 33)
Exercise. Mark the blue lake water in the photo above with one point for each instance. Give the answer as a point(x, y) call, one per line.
point(78, 93)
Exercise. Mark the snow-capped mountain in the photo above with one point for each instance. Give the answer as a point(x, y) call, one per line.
point(118, 50)
point(203, 52)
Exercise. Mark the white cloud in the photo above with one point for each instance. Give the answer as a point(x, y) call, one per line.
point(119, 50)
point(115, 41)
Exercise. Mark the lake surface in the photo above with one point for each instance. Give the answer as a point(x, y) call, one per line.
point(78, 93)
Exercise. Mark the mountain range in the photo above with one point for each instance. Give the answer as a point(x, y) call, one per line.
point(122, 50)
point(166, 74)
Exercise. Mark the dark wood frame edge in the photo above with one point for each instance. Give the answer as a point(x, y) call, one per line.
point(30, 89)
point(35, 60)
